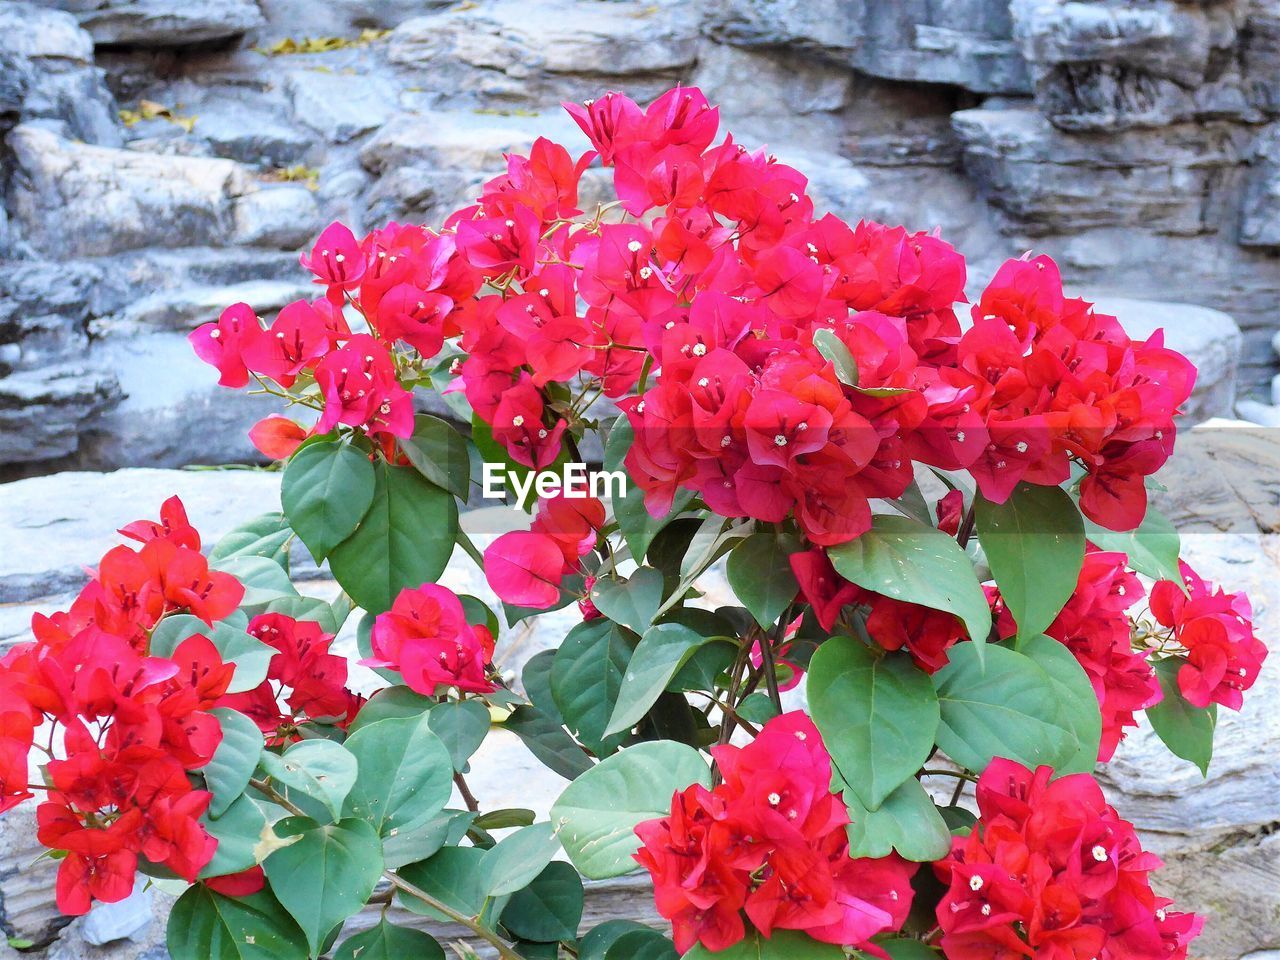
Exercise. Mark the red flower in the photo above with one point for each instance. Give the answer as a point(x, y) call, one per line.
point(173, 526)
point(360, 389)
point(1224, 655)
point(426, 637)
point(336, 259)
point(769, 841)
point(525, 568)
point(1050, 870)
point(277, 437)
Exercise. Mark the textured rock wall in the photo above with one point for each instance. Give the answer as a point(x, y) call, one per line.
point(160, 158)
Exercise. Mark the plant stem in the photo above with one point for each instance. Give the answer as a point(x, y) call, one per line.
point(966, 526)
point(958, 774)
point(770, 667)
point(467, 796)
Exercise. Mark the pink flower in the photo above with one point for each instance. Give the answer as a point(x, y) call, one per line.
point(525, 568)
point(222, 344)
point(336, 258)
point(425, 636)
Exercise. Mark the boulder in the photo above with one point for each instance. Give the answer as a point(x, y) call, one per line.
point(172, 412)
point(53, 526)
point(1119, 63)
point(1223, 479)
point(1167, 181)
point(571, 49)
point(967, 43)
point(186, 308)
point(164, 23)
point(245, 129)
point(339, 106)
point(1260, 205)
point(71, 199)
point(1209, 338)
point(45, 412)
point(47, 73)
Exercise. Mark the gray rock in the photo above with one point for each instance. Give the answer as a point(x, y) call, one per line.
point(340, 106)
point(967, 43)
point(187, 308)
point(45, 412)
point(172, 412)
point(1209, 338)
point(570, 50)
point(49, 75)
point(1118, 64)
point(55, 525)
point(1260, 206)
point(165, 23)
point(238, 129)
point(71, 199)
point(284, 217)
point(1051, 182)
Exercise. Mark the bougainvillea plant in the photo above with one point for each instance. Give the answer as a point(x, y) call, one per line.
point(936, 531)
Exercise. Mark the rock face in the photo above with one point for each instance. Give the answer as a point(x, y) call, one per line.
point(162, 23)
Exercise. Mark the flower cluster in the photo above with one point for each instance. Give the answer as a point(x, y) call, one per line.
point(425, 636)
point(1095, 627)
point(120, 728)
point(304, 680)
point(770, 842)
point(1216, 629)
point(1039, 381)
point(1051, 871)
point(527, 567)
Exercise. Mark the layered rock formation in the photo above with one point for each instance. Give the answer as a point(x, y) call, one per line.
point(162, 159)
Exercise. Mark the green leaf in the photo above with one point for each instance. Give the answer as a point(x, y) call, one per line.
point(227, 773)
point(548, 741)
point(405, 539)
point(237, 830)
point(391, 703)
point(455, 878)
point(1007, 709)
point(264, 580)
point(327, 488)
point(386, 941)
point(326, 876)
point(601, 937)
point(631, 602)
point(833, 348)
point(783, 945)
point(1034, 543)
point(549, 908)
point(516, 859)
point(250, 655)
point(904, 949)
point(1187, 730)
point(263, 536)
point(536, 677)
point(405, 773)
point(597, 814)
point(907, 822)
point(461, 726)
point(1078, 704)
point(761, 576)
point(1152, 548)
point(911, 561)
point(506, 817)
point(878, 715)
point(758, 708)
point(440, 454)
point(424, 839)
point(641, 945)
point(320, 769)
point(586, 677)
point(204, 925)
point(638, 526)
point(658, 657)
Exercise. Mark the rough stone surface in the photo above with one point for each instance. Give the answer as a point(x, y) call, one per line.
point(164, 23)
